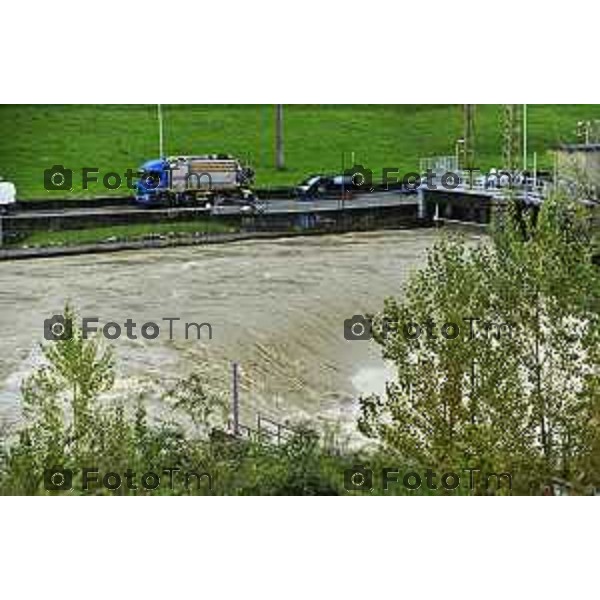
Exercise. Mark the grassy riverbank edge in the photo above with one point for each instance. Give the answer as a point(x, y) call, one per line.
point(16, 253)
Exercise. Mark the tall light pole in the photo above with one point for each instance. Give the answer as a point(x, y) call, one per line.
point(468, 144)
point(160, 133)
point(279, 157)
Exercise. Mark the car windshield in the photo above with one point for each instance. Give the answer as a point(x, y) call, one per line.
point(312, 180)
point(144, 174)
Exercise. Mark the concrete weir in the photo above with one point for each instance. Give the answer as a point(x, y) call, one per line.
point(464, 206)
point(375, 212)
point(277, 218)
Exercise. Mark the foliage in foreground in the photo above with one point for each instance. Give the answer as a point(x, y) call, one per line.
point(518, 389)
point(69, 423)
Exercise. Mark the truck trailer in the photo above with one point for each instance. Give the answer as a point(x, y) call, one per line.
point(192, 180)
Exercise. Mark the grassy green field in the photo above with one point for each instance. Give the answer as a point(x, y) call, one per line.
point(118, 137)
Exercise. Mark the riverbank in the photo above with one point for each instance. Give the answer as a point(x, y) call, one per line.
point(88, 233)
point(156, 242)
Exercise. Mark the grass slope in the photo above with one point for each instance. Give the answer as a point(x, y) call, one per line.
point(69, 237)
point(117, 137)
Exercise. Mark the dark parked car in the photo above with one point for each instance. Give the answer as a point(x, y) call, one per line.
point(324, 186)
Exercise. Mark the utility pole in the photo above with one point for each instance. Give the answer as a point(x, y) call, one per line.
point(465, 147)
point(343, 181)
point(161, 149)
point(279, 156)
point(468, 136)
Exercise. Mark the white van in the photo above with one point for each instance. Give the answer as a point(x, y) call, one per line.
point(8, 195)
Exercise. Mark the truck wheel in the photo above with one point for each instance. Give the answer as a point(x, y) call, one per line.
point(188, 199)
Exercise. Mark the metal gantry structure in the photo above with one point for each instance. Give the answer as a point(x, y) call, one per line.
point(512, 136)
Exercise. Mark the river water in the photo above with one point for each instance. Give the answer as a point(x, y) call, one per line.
point(276, 307)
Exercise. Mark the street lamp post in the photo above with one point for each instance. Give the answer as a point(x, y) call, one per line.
point(524, 138)
point(160, 133)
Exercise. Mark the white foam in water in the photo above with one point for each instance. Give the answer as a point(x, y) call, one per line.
point(276, 307)
point(372, 380)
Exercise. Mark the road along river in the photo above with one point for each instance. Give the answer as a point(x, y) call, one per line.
point(277, 307)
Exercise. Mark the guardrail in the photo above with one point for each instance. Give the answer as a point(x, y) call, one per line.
point(266, 429)
point(275, 193)
point(62, 203)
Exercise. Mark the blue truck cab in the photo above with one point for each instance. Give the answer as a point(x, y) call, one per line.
point(153, 182)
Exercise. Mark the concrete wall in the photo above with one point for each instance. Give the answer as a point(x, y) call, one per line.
point(458, 206)
point(355, 219)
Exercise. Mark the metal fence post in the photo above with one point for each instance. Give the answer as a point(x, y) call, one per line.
point(236, 400)
point(421, 204)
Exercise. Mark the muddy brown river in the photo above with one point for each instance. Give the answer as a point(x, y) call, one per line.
point(276, 307)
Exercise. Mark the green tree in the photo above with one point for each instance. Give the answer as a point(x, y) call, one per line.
point(516, 390)
point(61, 419)
point(547, 283)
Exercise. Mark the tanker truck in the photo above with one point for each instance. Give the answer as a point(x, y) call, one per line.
point(192, 180)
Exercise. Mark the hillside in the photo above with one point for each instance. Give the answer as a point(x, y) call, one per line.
point(117, 137)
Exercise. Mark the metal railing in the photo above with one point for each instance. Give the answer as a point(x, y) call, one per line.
point(439, 165)
point(266, 429)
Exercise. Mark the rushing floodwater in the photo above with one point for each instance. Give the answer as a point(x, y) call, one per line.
point(276, 307)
